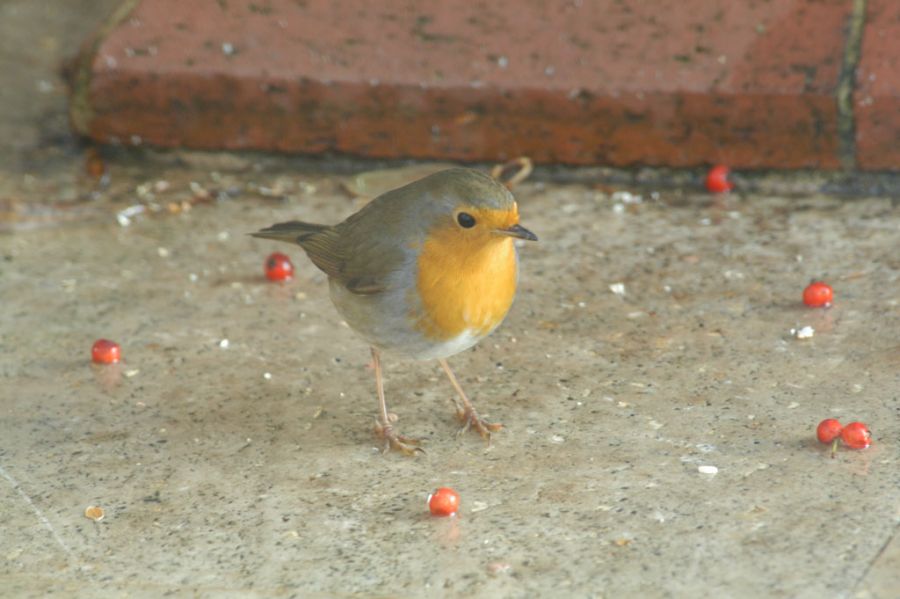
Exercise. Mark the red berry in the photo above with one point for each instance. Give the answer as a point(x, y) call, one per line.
point(443, 502)
point(828, 430)
point(105, 351)
point(717, 179)
point(818, 294)
point(279, 267)
point(856, 435)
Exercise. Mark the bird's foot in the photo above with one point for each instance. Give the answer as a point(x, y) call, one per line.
point(472, 421)
point(397, 442)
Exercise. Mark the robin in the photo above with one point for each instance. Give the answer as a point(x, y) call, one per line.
point(424, 271)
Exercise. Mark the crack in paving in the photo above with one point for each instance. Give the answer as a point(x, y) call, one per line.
point(37, 511)
point(865, 574)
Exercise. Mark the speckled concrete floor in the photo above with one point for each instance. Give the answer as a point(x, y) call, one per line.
point(219, 479)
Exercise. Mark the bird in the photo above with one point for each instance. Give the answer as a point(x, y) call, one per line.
point(422, 272)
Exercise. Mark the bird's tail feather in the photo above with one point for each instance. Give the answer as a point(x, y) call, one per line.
point(293, 231)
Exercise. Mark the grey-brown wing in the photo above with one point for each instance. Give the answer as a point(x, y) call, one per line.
point(360, 259)
point(363, 252)
point(372, 257)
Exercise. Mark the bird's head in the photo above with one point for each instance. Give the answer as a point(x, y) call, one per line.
point(468, 208)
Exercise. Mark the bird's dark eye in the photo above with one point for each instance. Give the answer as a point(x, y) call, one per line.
point(465, 220)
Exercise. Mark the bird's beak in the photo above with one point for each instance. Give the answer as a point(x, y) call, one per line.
point(517, 231)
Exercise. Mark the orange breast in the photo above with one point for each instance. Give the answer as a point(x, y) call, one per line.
point(465, 284)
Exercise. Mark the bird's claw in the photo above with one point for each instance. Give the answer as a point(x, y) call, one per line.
point(397, 442)
point(472, 421)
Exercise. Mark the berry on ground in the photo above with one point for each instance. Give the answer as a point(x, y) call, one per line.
point(818, 294)
point(856, 435)
point(279, 267)
point(717, 179)
point(443, 502)
point(828, 430)
point(105, 351)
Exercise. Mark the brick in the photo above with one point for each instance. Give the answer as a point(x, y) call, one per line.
point(877, 97)
point(673, 82)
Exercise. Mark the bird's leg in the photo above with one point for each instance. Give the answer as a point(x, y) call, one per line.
point(383, 426)
point(465, 411)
